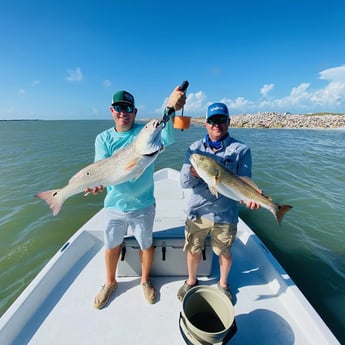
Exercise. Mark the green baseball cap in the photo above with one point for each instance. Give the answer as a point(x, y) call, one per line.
point(123, 97)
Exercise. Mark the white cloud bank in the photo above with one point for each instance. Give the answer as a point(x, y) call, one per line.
point(300, 99)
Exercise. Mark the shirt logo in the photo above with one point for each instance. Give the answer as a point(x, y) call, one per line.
point(128, 97)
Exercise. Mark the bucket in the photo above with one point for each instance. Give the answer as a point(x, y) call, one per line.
point(182, 122)
point(207, 317)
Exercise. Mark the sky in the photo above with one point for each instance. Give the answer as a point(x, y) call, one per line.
point(65, 59)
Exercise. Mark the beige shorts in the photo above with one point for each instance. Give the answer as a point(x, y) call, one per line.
point(222, 236)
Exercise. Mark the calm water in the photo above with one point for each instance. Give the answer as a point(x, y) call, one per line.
point(304, 168)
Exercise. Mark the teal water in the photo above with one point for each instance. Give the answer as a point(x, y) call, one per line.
point(304, 168)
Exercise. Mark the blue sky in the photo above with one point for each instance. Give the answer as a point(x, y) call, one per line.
point(64, 59)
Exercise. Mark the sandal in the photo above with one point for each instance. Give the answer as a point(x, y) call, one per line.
point(185, 288)
point(103, 296)
point(226, 290)
point(149, 291)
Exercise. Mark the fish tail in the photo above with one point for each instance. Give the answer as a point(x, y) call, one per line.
point(280, 212)
point(51, 198)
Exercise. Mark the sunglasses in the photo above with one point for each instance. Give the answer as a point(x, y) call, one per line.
point(217, 120)
point(123, 108)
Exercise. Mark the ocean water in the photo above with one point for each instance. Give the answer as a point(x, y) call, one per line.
point(303, 168)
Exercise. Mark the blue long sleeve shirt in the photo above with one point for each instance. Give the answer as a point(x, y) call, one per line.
point(234, 156)
point(134, 194)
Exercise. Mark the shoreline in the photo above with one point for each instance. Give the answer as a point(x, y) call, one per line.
point(276, 120)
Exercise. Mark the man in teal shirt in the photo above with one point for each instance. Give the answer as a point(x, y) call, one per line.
point(130, 204)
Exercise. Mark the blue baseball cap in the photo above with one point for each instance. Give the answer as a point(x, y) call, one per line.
point(219, 109)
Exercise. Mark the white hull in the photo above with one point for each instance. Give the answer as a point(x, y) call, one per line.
point(56, 308)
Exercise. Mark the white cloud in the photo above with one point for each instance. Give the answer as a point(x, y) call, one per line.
point(74, 75)
point(22, 91)
point(236, 105)
point(334, 74)
point(329, 98)
point(195, 102)
point(297, 96)
point(334, 92)
point(107, 83)
point(266, 89)
point(35, 83)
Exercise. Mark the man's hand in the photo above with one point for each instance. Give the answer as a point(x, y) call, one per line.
point(177, 99)
point(251, 203)
point(94, 190)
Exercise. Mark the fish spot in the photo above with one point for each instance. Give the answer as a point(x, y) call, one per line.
point(55, 194)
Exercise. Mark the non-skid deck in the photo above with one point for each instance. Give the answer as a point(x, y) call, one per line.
point(57, 307)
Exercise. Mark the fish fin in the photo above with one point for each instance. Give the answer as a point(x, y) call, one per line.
point(266, 196)
point(250, 182)
point(212, 187)
point(281, 211)
point(131, 164)
point(213, 191)
point(50, 197)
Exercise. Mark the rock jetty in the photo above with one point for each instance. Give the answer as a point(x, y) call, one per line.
point(277, 120)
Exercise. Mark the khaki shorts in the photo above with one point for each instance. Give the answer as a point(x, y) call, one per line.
point(222, 236)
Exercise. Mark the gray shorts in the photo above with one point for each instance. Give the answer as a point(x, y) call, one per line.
point(140, 223)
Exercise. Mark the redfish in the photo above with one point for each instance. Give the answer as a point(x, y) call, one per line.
point(225, 182)
point(126, 164)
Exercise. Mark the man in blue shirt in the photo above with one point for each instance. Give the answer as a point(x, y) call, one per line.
point(130, 204)
point(207, 213)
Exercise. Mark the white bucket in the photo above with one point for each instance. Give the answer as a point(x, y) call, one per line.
point(207, 317)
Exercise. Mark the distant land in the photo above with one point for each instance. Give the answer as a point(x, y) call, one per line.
point(322, 120)
point(22, 120)
point(287, 120)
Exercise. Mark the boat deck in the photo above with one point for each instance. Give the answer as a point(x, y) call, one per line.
point(57, 307)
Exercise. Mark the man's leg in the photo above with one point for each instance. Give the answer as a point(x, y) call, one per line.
point(193, 261)
point(146, 259)
point(225, 262)
point(111, 257)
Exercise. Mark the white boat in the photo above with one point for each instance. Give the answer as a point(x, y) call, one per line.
point(57, 307)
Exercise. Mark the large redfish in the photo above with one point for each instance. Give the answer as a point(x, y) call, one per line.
point(220, 180)
point(126, 164)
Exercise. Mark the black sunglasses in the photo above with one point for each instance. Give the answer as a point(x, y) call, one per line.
point(217, 120)
point(123, 108)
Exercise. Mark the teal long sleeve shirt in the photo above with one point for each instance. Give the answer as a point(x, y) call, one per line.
point(134, 194)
